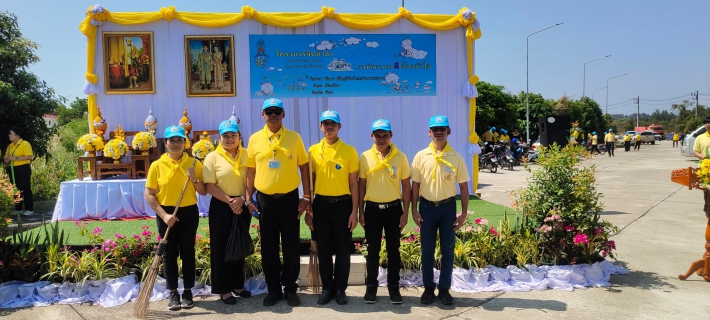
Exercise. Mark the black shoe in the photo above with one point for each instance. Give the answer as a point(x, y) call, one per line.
point(428, 296)
point(292, 299)
point(187, 302)
point(371, 293)
point(445, 297)
point(395, 296)
point(228, 300)
point(271, 299)
point(242, 294)
point(340, 297)
point(174, 303)
point(325, 296)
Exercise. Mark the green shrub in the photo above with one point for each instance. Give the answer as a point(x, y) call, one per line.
point(48, 173)
point(8, 197)
point(71, 132)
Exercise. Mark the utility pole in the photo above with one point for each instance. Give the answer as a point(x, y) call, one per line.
point(696, 95)
point(637, 101)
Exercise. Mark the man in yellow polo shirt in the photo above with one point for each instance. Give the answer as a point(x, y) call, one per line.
point(637, 139)
point(610, 139)
point(702, 141)
point(488, 139)
point(383, 169)
point(435, 172)
point(335, 170)
point(274, 157)
point(627, 142)
point(675, 139)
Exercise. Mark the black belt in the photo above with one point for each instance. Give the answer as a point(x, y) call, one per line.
point(385, 205)
point(333, 199)
point(278, 195)
point(440, 202)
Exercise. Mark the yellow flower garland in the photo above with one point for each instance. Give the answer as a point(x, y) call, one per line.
point(144, 141)
point(115, 149)
point(90, 142)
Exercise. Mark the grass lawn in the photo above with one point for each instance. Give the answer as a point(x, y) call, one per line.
point(482, 209)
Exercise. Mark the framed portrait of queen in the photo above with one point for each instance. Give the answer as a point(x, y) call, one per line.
point(128, 62)
point(209, 66)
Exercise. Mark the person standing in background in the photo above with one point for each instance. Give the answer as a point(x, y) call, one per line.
point(18, 156)
point(609, 139)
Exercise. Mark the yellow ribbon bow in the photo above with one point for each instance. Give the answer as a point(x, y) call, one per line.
point(174, 167)
point(335, 152)
point(386, 162)
point(277, 145)
point(440, 158)
point(236, 163)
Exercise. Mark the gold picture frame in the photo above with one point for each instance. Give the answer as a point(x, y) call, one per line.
point(128, 62)
point(209, 66)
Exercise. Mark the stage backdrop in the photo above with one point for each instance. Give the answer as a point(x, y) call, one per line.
point(410, 66)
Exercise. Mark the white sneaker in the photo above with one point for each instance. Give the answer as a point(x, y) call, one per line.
point(28, 213)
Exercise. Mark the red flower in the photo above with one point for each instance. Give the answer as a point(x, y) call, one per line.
point(493, 231)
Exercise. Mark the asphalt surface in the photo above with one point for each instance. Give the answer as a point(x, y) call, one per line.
point(662, 230)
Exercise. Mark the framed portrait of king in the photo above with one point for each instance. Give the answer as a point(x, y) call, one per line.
point(209, 66)
point(128, 62)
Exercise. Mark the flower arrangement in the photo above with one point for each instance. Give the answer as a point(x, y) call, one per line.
point(90, 143)
point(704, 172)
point(144, 141)
point(115, 149)
point(203, 147)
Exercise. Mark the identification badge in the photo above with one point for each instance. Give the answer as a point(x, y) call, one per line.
point(448, 169)
point(274, 164)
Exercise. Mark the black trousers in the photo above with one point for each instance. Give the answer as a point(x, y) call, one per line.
point(226, 275)
point(23, 182)
point(332, 236)
point(637, 146)
point(279, 221)
point(181, 242)
point(610, 148)
point(377, 219)
point(627, 146)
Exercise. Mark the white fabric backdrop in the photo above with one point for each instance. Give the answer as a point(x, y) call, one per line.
point(409, 115)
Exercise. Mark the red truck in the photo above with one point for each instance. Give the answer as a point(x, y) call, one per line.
point(656, 128)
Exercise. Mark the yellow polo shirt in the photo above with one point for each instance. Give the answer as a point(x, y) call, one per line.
point(702, 144)
point(675, 137)
point(488, 136)
point(443, 185)
point(216, 169)
point(168, 191)
point(609, 137)
point(638, 138)
point(20, 149)
point(594, 139)
point(381, 185)
point(276, 172)
point(332, 177)
point(627, 138)
point(495, 137)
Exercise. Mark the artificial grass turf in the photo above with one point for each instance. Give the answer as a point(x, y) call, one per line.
point(482, 209)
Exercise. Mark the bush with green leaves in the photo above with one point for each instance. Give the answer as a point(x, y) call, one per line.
point(562, 205)
point(49, 172)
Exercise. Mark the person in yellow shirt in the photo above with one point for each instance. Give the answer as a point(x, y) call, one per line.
point(275, 155)
point(675, 139)
point(385, 192)
point(335, 170)
point(627, 142)
point(702, 142)
point(225, 177)
point(18, 156)
point(488, 139)
point(496, 136)
point(609, 139)
point(637, 139)
point(435, 172)
point(163, 185)
point(593, 142)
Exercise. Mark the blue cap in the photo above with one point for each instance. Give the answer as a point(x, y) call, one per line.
point(174, 131)
point(381, 124)
point(493, 128)
point(594, 132)
point(438, 121)
point(330, 115)
point(228, 126)
point(272, 102)
point(503, 130)
point(609, 130)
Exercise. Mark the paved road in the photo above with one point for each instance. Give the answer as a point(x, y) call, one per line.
point(662, 229)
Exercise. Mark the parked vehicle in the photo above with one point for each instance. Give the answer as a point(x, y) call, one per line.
point(687, 149)
point(655, 128)
point(648, 137)
point(657, 136)
point(488, 161)
point(503, 156)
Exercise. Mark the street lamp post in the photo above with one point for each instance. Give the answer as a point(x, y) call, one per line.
point(595, 90)
point(584, 78)
point(606, 105)
point(527, 80)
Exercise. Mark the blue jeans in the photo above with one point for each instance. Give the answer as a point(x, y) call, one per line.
point(440, 219)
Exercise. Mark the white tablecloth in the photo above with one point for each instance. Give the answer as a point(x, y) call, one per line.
point(108, 199)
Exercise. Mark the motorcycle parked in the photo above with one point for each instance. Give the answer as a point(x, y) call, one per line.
point(505, 158)
point(488, 161)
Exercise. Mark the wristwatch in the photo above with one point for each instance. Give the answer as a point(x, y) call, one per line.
point(196, 181)
point(246, 203)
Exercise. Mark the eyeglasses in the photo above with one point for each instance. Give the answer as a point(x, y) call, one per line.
point(176, 141)
point(269, 112)
point(438, 129)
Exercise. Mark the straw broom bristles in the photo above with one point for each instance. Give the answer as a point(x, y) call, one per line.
point(313, 266)
point(140, 309)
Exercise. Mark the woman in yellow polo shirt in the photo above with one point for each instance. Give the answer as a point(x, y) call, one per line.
point(163, 185)
point(18, 156)
point(225, 177)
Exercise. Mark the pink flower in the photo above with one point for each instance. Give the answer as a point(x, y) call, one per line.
point(597, 231)
point(145, 227)
point(158, 238)
point(478, 221)
point(118, 236)
point(493, 231)
point(569, 228)
point(197, 237)
point(611, 244)
point(553, 217)
point(137, 237)
point(77, 223)
point(417, 229)
point(97, 231)
point(580, 238)
point(604, 253)
point(544, 229)
point(126, 245)
point(123, 260)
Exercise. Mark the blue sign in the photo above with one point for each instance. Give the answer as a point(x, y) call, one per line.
point(342, 65)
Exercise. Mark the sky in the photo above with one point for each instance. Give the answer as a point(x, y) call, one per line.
point(661, 45)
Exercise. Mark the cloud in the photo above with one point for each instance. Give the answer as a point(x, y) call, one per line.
point(372, 44)
point(270, 68)
point(352, 41)
point(325, 45)
point(279, 69)
point(312, 45)
point(410, 51)
point(429, 82)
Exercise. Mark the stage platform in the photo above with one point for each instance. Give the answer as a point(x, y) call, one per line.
point(108, 199)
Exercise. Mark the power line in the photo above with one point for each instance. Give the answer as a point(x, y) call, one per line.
point(620, 102)
point(685, 95)
point(624, 105)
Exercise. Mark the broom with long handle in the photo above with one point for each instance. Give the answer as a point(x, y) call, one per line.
point(140, 309)
point(313, 268)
